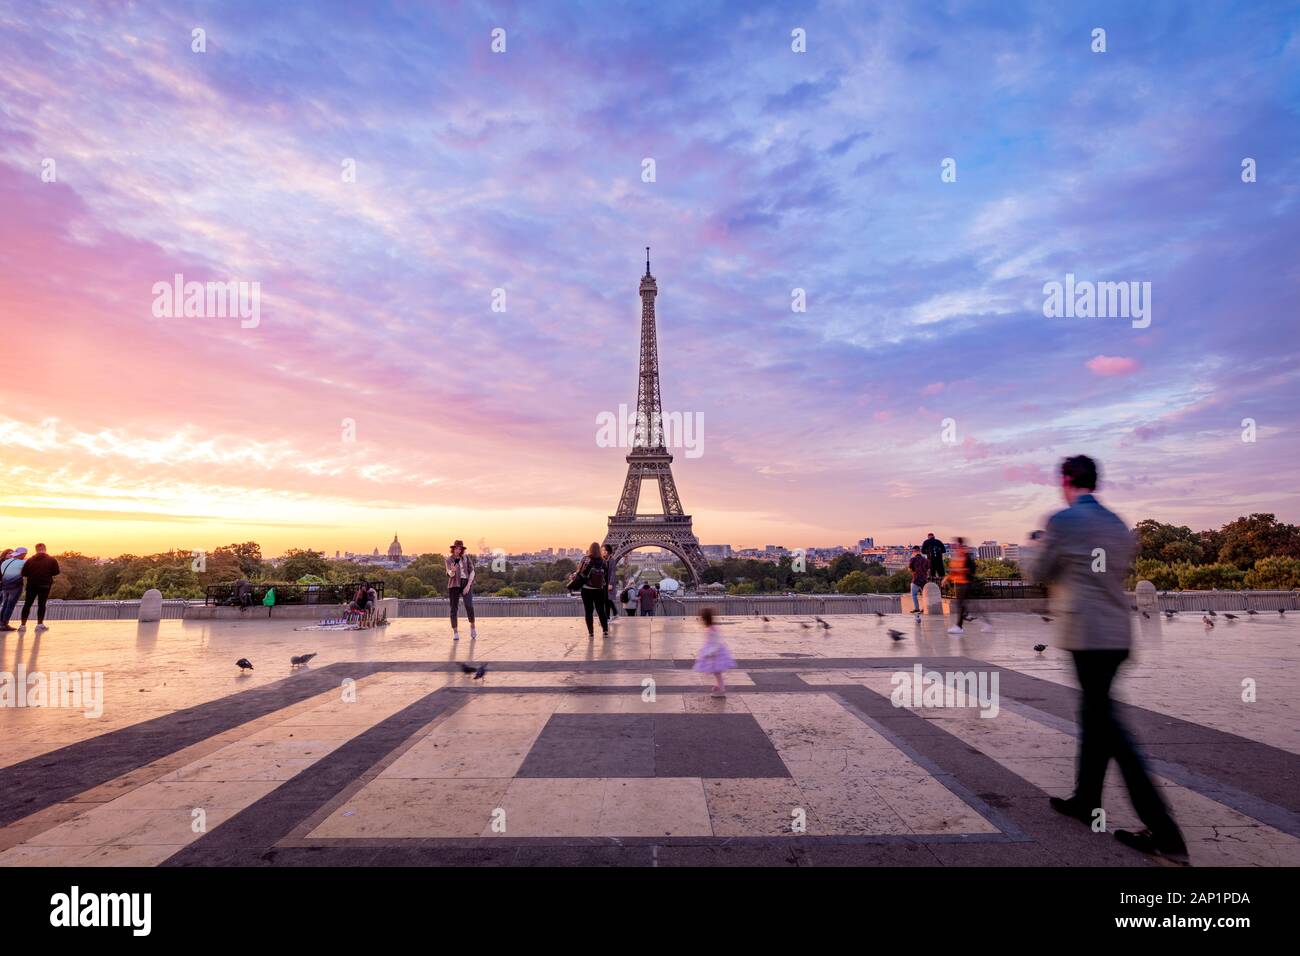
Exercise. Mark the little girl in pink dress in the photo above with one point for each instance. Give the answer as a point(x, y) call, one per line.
point(714, 657)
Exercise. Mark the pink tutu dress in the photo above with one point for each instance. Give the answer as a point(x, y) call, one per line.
point(714, 656)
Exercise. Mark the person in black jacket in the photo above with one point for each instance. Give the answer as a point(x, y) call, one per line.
point(40, 570)
point(934, 550)
point(611, 588)
point(594, 575)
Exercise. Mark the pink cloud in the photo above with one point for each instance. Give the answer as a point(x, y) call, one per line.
point(1029, 474)
point(934, 388)
point(1112, 365)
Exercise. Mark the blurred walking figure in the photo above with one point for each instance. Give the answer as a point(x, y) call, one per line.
point(607, 555)
point(629, 600)
point(1093, 623)
point(40, 570)
point(594, 575)
point(934, 550)
point(920, 568)
point(460, 586)
point(11, 584)
point(959, 572)
point(714, 657)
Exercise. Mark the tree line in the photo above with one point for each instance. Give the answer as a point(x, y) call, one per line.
point(1255, 551)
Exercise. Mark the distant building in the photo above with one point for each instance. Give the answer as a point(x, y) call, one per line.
point(989, 551)
point(1011, 552)
point(866, 544)
point(716, 552)
point(393, 559)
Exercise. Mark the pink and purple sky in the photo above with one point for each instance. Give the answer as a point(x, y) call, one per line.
point(521, 170)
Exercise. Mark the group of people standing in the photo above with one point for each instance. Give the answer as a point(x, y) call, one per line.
point(594, 580)
point(37, 573)
point(927, 564)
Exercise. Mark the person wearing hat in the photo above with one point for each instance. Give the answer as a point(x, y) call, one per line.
point(11, 584)
point(460, 585)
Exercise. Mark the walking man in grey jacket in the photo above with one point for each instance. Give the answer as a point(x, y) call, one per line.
point(1084, 556)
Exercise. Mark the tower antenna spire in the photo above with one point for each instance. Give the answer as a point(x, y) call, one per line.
point(647, 260)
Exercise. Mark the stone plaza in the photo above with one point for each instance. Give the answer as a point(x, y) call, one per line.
point(571, 751)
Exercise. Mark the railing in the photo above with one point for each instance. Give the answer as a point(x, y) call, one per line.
point(668, 606)
point(172, 610)
point(999, 588)
point(1228, 600)
point(225, 595)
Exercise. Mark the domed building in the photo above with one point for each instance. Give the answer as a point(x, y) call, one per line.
point(395, 550)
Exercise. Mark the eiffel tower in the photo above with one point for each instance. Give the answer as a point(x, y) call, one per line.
point(650, 460)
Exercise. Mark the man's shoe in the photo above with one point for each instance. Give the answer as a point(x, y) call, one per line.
point(42, 627)
point(455, 636)
point(1071, 808)
point(1172, 849)
point(955, 630)
point(473, 634)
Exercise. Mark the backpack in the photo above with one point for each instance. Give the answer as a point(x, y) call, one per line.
point(596, 575)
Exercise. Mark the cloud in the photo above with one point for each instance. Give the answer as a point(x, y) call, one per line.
point(1110, 365)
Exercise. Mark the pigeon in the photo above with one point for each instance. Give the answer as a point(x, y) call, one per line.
point(478, 674)
point(1251, 611)
point(1133, 607)
point(467, 668)
point(1169, 615)
point(1206, 621)
point(1046, 618)
point(299, 660)
point(821, 622)
point(1040, 647)
point(804, 625)
point(1146, 615)
point(766, 618)
point(896, 635)
point(880, 614)
point(1212, 614)
point(244, 664)
point(1281, 612)
point(1230, 617)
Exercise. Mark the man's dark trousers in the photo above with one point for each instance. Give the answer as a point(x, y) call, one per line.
point(1102, 737)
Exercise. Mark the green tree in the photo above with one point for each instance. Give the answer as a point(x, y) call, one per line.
point(1276, 573)
point(297, 562)
point(846, 564)
point(857, 582)
point(413, 587)
point(247, 555)
point(507, 592)
point(900, 582)
point(1205, 577)
point(553, 587)
point(78, 578)
point(1162, 575)
point(1168, 543)
point(996, 569)
point(1248, 540)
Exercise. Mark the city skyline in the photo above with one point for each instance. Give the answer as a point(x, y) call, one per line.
point(380, 389)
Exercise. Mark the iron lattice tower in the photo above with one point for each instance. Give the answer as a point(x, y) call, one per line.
point(650, 460)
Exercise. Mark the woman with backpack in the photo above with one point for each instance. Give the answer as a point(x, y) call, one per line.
point(593, 575)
